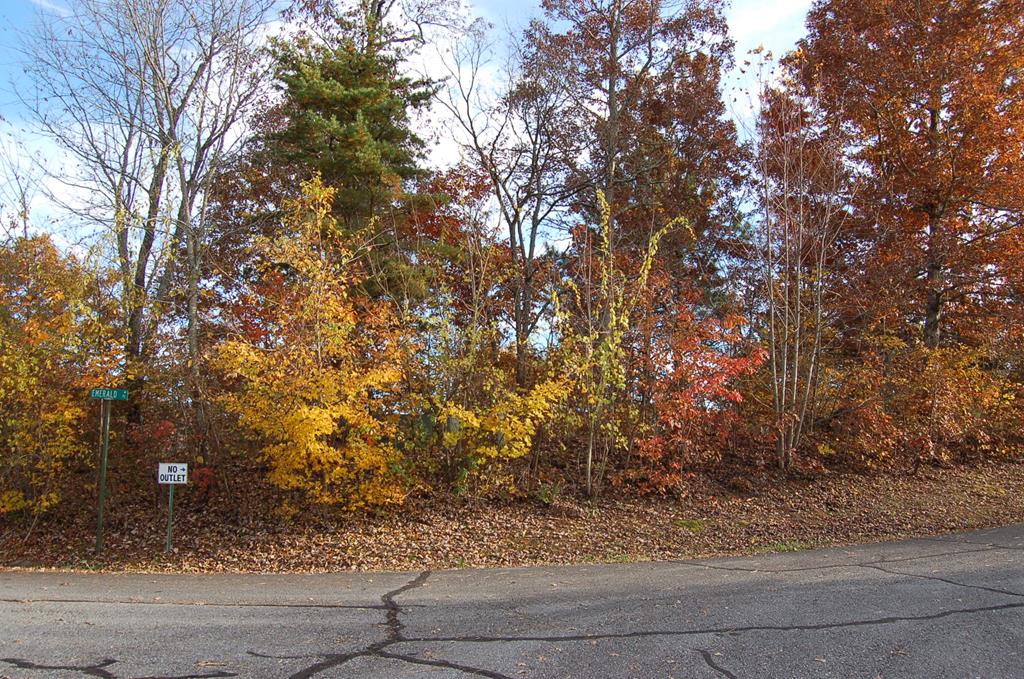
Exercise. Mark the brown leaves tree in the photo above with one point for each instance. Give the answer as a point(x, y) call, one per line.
point(931, 94)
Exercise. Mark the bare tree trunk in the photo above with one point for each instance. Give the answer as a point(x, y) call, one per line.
point(591, 435)
point(936, 282)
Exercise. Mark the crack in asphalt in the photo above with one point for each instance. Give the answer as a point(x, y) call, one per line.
point(97, 670)
point(326, 662)
point(443, 663)
point(887, 620)
point(993, 545)
point(100, 670)
point(268, 656)
point(394, 622)
point(985, 588)
point(709, 659)
point(395, 627)
point(876, 565)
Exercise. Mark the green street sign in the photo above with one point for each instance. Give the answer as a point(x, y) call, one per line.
point(110, 394)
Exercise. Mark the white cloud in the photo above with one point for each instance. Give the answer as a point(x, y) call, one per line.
point(776, 25)
point(51, 7)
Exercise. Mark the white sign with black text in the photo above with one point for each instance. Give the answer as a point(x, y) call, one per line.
point(174, 473)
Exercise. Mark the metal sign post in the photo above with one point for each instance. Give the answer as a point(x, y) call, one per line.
point(171, 474)
point(105, 396)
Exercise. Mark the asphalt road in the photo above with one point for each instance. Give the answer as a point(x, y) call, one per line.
point(951, 606)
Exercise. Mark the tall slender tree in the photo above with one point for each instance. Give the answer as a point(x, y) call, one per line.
point(804, 193)
point(146, 97)
point(642, 84)
point(521, 139)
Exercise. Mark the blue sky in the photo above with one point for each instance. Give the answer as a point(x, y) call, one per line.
point(15, 17)
point(776, 25)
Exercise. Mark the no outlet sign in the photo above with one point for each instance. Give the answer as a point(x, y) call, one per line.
point(173, 473)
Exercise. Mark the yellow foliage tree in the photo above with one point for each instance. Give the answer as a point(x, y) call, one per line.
point(593, 329)
point(55, 344)
point(503, 429)
point(468, 414)
point(316, 371)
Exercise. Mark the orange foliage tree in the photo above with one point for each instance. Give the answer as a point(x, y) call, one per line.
point(928, 96)
point(56, 342)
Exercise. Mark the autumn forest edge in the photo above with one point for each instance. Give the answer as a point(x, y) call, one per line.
point(618, 286)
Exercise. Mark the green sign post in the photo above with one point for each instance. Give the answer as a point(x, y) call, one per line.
point(110, 394)
point(105, 396)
